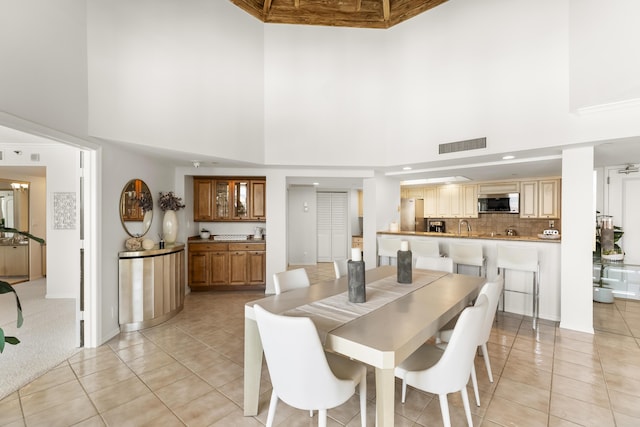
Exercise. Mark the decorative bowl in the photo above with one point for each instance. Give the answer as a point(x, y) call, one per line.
point(205, 235)
point(613, 257)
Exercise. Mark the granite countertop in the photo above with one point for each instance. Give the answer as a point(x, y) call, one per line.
point(471, 236)
point(250, 239)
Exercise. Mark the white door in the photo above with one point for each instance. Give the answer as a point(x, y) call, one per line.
point(332, 218)
point(624, 205)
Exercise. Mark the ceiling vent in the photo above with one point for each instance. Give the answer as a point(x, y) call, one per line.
point(469, 144)
point(35, 157)
point(1, 155)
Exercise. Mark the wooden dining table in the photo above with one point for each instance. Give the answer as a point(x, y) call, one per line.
point(383, 332)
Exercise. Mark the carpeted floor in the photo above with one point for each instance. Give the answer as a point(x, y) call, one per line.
point(47, 336)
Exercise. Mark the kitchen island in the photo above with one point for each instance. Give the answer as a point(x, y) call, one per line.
point(519, 303)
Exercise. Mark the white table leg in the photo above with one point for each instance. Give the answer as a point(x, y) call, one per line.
point(385, 397)
point(252, 367)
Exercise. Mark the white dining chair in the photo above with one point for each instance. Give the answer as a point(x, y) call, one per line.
point(340, 267)
point(492, 290)
point(441, 372)
point(388, 248)
point(290, 279)
point(435, 263)
point(302, 374)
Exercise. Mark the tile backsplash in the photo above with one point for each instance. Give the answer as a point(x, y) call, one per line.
point(498, 223)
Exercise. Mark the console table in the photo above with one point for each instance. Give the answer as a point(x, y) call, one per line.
point(152, 286)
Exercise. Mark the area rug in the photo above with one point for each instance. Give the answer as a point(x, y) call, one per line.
point(47, 336)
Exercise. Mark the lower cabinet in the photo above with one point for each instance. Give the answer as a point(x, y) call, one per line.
point(226, 266)
point(14, 260)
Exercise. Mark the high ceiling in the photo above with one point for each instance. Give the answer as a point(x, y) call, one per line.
point(337, 13)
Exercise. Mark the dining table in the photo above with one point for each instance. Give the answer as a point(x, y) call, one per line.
point(393, 322)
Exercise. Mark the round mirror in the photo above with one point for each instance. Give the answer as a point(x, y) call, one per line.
point(136, 208)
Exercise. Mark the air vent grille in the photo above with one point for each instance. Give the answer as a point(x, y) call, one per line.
point(35, 157)
point(469, 144)
point(1, 155)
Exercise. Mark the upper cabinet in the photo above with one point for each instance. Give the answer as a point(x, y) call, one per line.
point(229, 199)
point(540, 199)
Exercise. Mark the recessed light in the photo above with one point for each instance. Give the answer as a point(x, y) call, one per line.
point(407, 168)
point(316, 183)
point(509, 157)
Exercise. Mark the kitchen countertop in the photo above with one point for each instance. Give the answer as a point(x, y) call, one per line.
point(471, 236)
point(197, 239)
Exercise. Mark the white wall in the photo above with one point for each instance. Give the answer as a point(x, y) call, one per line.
point(177, 74)
point(302, 230)
point(43, 76)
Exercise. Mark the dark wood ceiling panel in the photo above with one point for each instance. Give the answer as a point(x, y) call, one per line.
point(342, 13)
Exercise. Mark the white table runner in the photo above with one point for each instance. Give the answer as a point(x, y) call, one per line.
point(335, 311)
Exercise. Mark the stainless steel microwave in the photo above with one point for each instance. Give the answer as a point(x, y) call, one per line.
point(499, 203)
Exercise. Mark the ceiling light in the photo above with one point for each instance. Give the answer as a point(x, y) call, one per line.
point(508, 157)
point(445, 179)
point(316, 183)
point(407, 168)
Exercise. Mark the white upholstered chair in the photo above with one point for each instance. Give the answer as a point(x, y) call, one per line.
point(435, 263)
point(302, 374)
point(340, 267)
point(290, 279)
point(523, 259)
point(468, 254)
point(492, 290)
point(424, 248)
point(441, 372)
point(388, 248)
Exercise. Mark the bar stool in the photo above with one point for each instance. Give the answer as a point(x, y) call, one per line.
point(521, 259)
point(468, 254)
point(424, 248)
point(388, 248)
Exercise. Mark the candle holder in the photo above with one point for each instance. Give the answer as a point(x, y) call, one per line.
point(404, 266)
point(355, 277)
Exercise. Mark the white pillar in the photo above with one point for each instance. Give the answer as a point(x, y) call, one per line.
point(578, 227)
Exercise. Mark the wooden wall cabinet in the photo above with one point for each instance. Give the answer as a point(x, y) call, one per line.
point(229, 199)
point(540, 199)
point(226, 266)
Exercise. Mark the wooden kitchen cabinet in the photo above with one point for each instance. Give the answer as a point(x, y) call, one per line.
point(229, 199)
point(430, 202)
point(224, 266)
point(14, 260)
point(540, 199)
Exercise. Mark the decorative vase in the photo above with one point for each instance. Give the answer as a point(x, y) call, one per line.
point(170, 226)
point(356, 281)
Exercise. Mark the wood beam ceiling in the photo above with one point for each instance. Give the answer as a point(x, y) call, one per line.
point(340, 13)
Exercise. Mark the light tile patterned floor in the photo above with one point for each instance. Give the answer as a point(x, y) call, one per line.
point(188, 371)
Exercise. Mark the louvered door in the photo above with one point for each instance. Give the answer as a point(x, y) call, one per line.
point(332, 217)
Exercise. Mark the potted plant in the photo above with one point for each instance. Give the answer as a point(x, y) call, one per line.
point(6, 288)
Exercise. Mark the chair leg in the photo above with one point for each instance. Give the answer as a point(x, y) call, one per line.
point(404, 390)
point(474, 381)
point(272, 409)
point(467, 408)
point(363, 398)
point(322, 418)
point(444, 408)
point(487, 361)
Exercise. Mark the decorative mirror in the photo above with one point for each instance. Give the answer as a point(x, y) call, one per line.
point(136, 208)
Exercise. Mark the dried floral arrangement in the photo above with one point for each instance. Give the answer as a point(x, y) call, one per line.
point(145, 201)
point(170, 202)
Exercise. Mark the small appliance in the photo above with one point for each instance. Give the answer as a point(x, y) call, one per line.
point(499, 203)
point(436, 226)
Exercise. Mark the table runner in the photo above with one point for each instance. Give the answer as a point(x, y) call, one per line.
point(336, 310)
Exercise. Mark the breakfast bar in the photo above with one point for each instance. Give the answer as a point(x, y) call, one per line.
point(548, 250)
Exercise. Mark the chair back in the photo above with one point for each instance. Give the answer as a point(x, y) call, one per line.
point(492, 290)
point(451, 373)
point(300, 373)
point(290, 279)
point(517, 258)
point(467, 254)
point(424, 248)
point(388, 247)
point(340, 267)
point(435, 263)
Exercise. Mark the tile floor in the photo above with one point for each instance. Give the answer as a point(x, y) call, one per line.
point(188, 371)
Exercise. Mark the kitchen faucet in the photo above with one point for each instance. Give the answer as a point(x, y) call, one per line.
point(460, 226)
